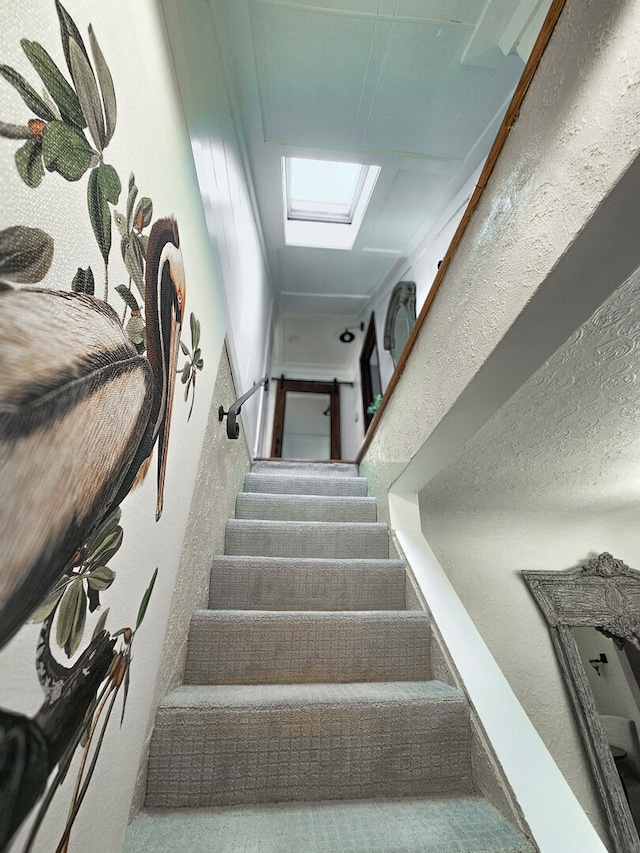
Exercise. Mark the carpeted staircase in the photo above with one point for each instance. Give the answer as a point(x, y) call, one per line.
point(308, 720)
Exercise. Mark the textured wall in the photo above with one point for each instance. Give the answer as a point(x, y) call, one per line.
point(553, 477)
point(571, 143)
point(220, 473)
point(575, 138)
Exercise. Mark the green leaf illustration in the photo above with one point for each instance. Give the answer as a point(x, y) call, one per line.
point(83, 282)
point(121, 224)
point(103, 187)
point(102, 621)
point(65, 150)
point(101, 578)
point(107, 527)
point(110, 183)
point(134, 262)
point(143, 240)
point(29, 163)
point(25, 254)
point(48, 605)
point(131, 200)
point(145, 600)
point(72, 616)
point(106, 87)
point(185, 349)
point(61, 92)
point(195, 331)
point(69, 32)
point(105, 550)
point(186, 372)
point(128, 297)
point(144, 212)
point(28, 94)
point(135, 330)
point(88, 94)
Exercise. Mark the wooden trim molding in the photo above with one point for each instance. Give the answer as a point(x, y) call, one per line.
point(509, 119)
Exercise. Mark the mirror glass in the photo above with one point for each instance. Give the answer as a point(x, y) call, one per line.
point(612, 674)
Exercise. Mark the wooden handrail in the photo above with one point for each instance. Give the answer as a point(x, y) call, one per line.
point(510, 117)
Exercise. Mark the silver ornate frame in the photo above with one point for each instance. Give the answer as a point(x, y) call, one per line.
point(605, 594)
point(402, 295)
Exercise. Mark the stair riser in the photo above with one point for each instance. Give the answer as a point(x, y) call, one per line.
point(305, 585)
point(210, 757)
point(284, 648)
point(306, 539)
point(306, 469)
point(305, 508)
point(274, 485)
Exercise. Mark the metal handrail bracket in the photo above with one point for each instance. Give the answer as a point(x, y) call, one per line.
point(233, 427)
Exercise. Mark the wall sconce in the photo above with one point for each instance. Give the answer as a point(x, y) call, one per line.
point(347, 336)
point(596, 663)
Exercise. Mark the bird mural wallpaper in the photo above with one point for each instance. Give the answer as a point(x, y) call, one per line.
point(88, 370)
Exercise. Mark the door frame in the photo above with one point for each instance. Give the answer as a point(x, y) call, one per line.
point(306, 387)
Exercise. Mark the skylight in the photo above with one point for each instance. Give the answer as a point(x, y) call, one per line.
point(325, 201)
point(322, 191)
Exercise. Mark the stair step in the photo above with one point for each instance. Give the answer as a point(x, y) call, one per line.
point(304, 507)
point(274, 647)
point(305, 583)
point(409, 825)
point(305, 484)
point(283, 468)
point(306, 539)
point(215, 745)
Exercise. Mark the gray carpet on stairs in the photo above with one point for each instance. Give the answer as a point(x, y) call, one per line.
point(409, 825)
point(237, 744)
point(300, 484)
point(306, 583)
point(296, 647)
point(308, 721)
point(253, 537)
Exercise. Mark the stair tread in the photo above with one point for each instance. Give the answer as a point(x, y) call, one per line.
point(263, 696)
point(455, 824)
point(287, 468)
point(266, 505)
point(343, 616)
point(314, 484)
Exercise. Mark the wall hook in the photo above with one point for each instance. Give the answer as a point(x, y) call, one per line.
point(596, 663)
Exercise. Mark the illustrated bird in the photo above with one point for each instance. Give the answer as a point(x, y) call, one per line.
point(80, 414)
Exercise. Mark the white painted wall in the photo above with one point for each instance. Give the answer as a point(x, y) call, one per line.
point(197, 42)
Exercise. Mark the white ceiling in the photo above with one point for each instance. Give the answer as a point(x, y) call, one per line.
point(417, 87)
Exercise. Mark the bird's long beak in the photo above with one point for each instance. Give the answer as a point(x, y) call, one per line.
point(176, 274)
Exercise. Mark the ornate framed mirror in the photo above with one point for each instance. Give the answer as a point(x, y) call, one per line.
point(603, 595)
point(400, 319)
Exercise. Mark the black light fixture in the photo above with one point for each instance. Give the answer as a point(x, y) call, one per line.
point(347, 336)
